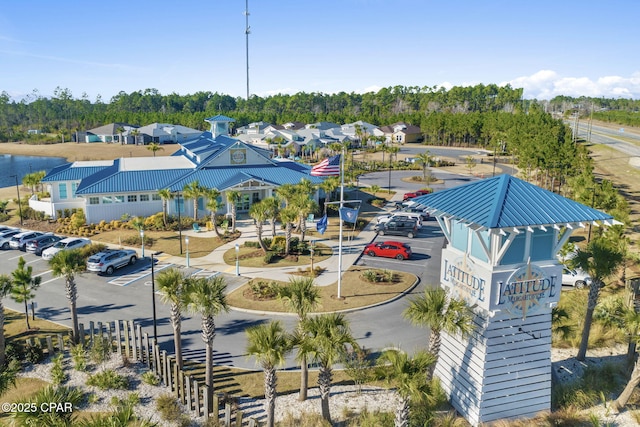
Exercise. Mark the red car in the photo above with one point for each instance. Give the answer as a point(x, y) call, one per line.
point(397, 250)
point(416, 193)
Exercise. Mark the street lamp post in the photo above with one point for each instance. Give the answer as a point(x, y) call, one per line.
point(153, 299)
point(142, 239)
point(237, 259)
point(186, 241)
point(19, 203)
point(179, 222)
point(389, 172)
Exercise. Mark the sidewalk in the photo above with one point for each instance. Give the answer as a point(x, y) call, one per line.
point(351, 251)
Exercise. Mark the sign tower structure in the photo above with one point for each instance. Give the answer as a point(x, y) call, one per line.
point(502, 237)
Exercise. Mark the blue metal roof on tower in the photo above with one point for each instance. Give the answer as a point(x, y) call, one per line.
point(506, 201)
point(219, 118)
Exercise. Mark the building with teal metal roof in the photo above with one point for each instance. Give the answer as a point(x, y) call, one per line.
point(107, 190)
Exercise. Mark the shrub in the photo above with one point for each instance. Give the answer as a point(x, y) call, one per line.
point(33, 353)
point(278, 244)
point(264, 290)
point(370, 276)
point(14, 351)
point(251, 244)
point(150, 378)
point(100, 349)
point(269, 256)
point(168, 407)
point(79, 357)
point(108, 379)
point(58, 375)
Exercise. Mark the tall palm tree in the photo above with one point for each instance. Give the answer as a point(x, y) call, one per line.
point(68, 264)
point(328, 186)
point(436, 310)
point(286, 193)
point(600, 260)
point(153, 147)
point(31, 180)
point(5, 288)
point(425, 160)
point(632, 326)
point(23, 286)
point(407, 375)
point(301, 296)
point(287, 216)
point(170, 285)
point(213, 205)
point(166, 195)
point(326, 337)
point(207, 297)
point(272, 206)
point(233, 197)
point(269, 344)
point(120, 131)
point(304, 206)
point(135, 133)
point(193, 191)
point(260, 213)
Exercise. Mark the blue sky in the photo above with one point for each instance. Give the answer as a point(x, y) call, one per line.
point(549, 48)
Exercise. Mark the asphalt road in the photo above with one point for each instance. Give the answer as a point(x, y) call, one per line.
point(127, 294)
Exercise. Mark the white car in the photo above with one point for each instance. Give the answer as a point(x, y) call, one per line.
point(63, 245)
point(6, 236)
point(381, 219)
point(575, 278)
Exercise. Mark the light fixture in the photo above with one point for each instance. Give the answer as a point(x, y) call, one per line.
point(142, 241)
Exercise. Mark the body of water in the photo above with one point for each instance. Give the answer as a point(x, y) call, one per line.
point(23, 165)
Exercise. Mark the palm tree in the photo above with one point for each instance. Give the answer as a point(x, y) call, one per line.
point(213, 205)
point(166, 195)
point(135, 133)
point(436, 310)
point(407, 375)
point(326, 337)
point(153, 147)
point(632, 326)
point(328, 186)
point(272, 206)
point(425, 160)
point(301, 296)
point(31, 180)
point(269, 344)
point(304, 206)
point(5, 288)
point(68, 264)
point(206, 296)
point(260, 213)
point(23, 286)
point(170, 285)
point(120, 131)
point(600, 261)
point(286, 193)
point(193, 191)
point(233, 197)
point(287, 216)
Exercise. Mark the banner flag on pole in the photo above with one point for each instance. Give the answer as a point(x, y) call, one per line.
point(321, 225)
point(328, 167)
point(348, 214)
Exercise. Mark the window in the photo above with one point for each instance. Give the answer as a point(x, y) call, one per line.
point(132, 198)
point(155, 197)
point(106, 200)
point(62, 188)
point(118, 199)
point(94, 200)
point(74, 187)
point(144, 197)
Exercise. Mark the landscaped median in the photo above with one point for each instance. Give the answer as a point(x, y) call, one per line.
point(356, 291)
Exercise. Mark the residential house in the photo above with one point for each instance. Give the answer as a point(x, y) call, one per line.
point(111, 133)
point(402, 133)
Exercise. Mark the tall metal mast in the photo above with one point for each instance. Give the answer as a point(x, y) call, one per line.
point(247, 32)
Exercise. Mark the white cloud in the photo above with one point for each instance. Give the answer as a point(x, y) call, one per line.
point(546, 84)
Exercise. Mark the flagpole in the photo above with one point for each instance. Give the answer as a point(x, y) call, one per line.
point(341, 221)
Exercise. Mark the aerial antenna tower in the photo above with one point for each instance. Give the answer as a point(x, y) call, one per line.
point(247, 31)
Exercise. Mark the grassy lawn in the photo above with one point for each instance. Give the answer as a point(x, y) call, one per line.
point(355, 292)
point(163, 241)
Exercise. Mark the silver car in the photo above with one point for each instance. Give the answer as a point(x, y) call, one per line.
point(19, 241)
point(108, 261)
point(6, 236)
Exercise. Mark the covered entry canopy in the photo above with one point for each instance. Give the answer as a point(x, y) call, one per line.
point(507, 202)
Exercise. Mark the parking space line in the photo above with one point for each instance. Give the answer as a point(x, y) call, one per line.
point(205, 273)
point(35, 260)
point(43, 273)
point(130, 278)
point(50, 280)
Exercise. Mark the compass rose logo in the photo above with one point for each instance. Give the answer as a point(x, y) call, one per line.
point(527, 290)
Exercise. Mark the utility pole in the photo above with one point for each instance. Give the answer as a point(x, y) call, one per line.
point(246, 33)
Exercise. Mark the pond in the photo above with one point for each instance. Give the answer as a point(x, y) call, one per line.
point(23, 165)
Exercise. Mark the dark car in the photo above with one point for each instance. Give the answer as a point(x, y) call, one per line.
point(407, 228)
point(390, 249)
point(40, 243)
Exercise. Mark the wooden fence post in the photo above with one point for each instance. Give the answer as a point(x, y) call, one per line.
point(196, 398)
point(227, 413)
point(99, 332)
point(205, 398)
point(110, 335)
point(61, 342)
point(147, 351)
point(139, 335)
point(91, 331)
point(118, 337)
point(50, 344)
point(134, 341)
point(125, 329)
point(238, 418)
point(81, 332)
point(253, 422)
point(167, 371)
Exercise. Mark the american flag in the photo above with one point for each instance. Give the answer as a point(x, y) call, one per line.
point(328, 167)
